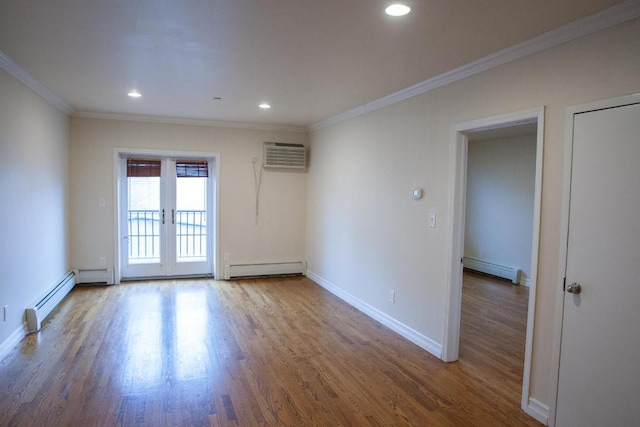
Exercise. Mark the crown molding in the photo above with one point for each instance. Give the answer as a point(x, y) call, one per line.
point(10, 66)
point(189, 122)
point(615, 15)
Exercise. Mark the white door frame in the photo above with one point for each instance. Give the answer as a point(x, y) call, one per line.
point(564, 229)
point(117, 156)
point(459, 146)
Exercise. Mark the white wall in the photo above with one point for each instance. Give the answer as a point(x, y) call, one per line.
point(278, 236)
point(365, 235)
point(499, 205)
point(33, 191)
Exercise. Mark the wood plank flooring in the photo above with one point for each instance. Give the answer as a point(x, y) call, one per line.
point(493, 328)
point(269, 352)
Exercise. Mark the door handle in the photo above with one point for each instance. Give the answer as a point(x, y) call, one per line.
point(574, 288)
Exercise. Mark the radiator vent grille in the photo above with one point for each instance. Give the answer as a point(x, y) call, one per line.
point(260, 270)
point(286, 156)
point(498, 270)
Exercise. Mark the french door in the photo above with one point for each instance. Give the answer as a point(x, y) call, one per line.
point(166, 217)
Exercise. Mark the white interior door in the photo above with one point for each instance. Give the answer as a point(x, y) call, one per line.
point(599, 375)
point(166, 217)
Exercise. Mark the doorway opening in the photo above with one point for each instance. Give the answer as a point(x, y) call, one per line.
point(500, 190)
point(166, 210)
point(508, 126)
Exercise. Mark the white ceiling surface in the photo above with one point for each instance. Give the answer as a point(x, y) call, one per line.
point(309, 59)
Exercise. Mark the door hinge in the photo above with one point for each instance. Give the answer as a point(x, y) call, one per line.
point(564, 284)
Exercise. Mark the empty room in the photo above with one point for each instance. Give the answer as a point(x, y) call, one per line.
point(264, 213)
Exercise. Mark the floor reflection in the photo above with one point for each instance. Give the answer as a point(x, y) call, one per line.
point(142, 365)
point(191, 350)
point(168, 339)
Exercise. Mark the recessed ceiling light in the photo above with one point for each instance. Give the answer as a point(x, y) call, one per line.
point(264, 106)
point(134, 94)
point(397, 9)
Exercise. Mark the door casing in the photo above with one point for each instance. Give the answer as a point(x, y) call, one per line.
point(459, 146)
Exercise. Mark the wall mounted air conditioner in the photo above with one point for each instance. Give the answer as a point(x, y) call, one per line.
point(278, 155)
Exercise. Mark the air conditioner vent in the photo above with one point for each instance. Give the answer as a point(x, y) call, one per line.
point(287, 156)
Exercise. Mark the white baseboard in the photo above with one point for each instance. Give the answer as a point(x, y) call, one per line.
point(525, 282)
point(412, 335)
point(538, 410)
point(13, 340)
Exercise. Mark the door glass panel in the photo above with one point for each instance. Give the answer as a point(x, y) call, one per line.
point(191, 211)
point(144, 219)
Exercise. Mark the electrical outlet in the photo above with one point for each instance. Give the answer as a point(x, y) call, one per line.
point(103, 260)
point(392, 296)
point(5, 313)
point(226, 256)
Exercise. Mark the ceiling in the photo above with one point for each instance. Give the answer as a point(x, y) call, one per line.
point(310, 59)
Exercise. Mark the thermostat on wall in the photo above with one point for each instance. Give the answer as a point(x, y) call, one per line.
point(417, 193)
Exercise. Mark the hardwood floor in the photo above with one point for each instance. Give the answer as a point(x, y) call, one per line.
point(254, 352)
point(493, 328)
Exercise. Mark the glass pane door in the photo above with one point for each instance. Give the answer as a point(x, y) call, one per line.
point(190, 218)
point(142, 188)
point(165, 218)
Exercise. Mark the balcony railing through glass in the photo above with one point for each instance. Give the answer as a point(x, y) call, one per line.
point(191, 235)
point(144, 236)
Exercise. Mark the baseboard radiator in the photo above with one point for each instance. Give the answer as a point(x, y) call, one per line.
point(38, 311)
point(235, 271)
point(96, 276)
point(498, 270)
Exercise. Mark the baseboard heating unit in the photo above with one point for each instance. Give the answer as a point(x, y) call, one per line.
point(497, 270)
point(232, 271)
point(97, 276)
point(38, 311)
